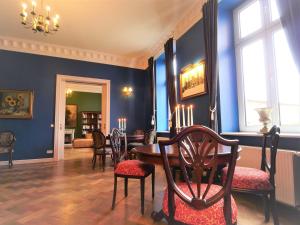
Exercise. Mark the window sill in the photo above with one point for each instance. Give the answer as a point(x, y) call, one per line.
point(255, 134)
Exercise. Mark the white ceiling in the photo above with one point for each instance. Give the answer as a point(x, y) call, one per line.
point(126, 28)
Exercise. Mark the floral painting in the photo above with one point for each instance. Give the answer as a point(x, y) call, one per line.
point(16, 104)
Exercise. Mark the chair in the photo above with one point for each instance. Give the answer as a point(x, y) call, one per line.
point(192, 201)
point(260, 181)
point(149, 138)
point(99, 145)
point(128, 169)
point(7, 140)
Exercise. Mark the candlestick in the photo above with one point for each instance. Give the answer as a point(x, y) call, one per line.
point(119, 123)
point(183, 116)
point(192, 115)
point(125, 121)
point(189, 117)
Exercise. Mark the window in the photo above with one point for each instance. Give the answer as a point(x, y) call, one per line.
point(266, 72)
point(161, 94)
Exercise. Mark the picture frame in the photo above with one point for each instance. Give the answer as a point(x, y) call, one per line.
point(71, 116)
point(16, 104)
point(193, 80)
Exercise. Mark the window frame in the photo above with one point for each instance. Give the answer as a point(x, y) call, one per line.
point(265, 33)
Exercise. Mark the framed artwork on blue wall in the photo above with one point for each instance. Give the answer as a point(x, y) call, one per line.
point(71, 116)
point(193, 80)
point(16, 104)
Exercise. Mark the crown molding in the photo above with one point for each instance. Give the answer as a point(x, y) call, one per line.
point(192, 16)
point(40, 48)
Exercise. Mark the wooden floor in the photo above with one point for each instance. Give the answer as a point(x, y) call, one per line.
point(71, 193)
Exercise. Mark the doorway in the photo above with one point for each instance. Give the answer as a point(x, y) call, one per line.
point(66, 83)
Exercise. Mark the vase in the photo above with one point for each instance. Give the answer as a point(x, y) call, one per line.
point(264, 118)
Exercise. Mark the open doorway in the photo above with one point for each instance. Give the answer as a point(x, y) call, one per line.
point(82, 105)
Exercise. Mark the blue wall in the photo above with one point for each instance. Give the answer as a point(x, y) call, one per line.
point(190, 49)
point(38, 73)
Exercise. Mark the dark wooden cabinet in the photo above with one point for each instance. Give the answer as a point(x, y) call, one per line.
point(90, 120)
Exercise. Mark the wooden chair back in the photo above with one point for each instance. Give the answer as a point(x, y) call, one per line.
point(99, 139)
point(117, 141)
point(270, 140)
point(150, 137)
point(7, 140)
point(198, 150)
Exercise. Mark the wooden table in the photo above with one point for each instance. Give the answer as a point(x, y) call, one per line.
point(151, 153)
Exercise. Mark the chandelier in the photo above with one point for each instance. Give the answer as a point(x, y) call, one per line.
point(37, 21)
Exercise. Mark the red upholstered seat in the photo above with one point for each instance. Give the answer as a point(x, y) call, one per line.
point(134, 168)
point(249, 179)
point(213, 215)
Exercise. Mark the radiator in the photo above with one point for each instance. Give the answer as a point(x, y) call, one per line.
point(287, 172)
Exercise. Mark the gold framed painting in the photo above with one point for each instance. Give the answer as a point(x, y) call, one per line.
point(16, 104)
point(71, 116)
point(193, 80)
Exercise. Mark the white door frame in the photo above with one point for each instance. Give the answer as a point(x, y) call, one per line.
point(60, 105)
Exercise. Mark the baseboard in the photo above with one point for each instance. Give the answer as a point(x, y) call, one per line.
point(28, 161)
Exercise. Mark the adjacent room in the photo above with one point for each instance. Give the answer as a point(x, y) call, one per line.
point(137, 112)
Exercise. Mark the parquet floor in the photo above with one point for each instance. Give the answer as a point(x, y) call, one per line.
point(71, 193)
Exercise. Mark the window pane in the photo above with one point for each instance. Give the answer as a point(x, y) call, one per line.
point(250, 19)
point(161, 94)
point(288, 81)
point(274, 10)
point(253, 69)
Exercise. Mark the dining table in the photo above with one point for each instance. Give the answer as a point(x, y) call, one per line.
point(151, 153)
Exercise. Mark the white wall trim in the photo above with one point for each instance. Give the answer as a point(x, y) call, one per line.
point(192, 15)
point(40, 48)
point(60, 104)
point(27, 161)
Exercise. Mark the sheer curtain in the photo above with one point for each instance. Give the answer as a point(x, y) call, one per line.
point(289, 11)
point(171, 79)
point(210, 17)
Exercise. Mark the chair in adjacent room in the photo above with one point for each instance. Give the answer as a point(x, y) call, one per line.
point(99, 146)
point(260, 181)
point(128, 169)
point(7, 141)
point(193, 201)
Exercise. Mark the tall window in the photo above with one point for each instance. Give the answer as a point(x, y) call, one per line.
point(267, 75)
point(161, 94)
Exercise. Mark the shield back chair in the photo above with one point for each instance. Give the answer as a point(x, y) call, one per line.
point(193, 201)
point(128, 169)
point(260, 181)
point(7, 141)
point(99, 146)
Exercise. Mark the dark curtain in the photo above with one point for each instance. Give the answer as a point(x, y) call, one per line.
point(151, 73)
point(210, 16)
point(171, 79)
point(290, 18)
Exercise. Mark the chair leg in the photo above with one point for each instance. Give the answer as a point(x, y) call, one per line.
point(94, 161)
point(10, 163)
point(153, 183)
point(142, 194)
point(115, 192)
point(274, 208)
point(266, 208)
point(126, 186)
point(103, 161)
